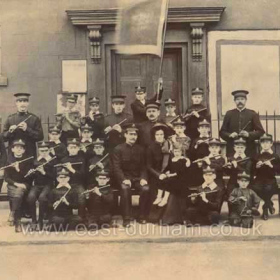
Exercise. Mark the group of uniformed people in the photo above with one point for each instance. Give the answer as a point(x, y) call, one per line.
point(170, 160)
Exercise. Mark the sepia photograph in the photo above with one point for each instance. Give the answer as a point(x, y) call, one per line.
point(139, 139)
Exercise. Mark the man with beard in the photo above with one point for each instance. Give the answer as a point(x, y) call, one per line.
point(23, 125)
point(130, 172)
point(241, 122)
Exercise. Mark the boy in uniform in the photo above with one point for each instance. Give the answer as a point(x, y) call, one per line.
point(244, 201)
point(62, 201)
point(95, 119)
point(100, 201)
point(204, 207)
point(266, 164)
point(196, 113)
point(74, 162)
point(17, 183)
point(42, 175)
point(57, 148)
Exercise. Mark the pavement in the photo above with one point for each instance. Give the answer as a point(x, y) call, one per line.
point(164, 261)
point(262, 230)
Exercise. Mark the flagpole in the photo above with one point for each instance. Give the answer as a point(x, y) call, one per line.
point(163, 44)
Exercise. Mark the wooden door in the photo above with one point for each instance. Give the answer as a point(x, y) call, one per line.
point(131, 71)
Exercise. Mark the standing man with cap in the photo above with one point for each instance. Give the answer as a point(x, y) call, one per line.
point(241, 122)
point(95, 119)
point(138, 106)
point(152, 113)
point(196, 113)
point(130, 172)
point(69, 120)
point(23, 125)
point(115, 121)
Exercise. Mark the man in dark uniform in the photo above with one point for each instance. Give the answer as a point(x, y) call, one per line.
point(130, 172)
point(23, 125)
point(115, 121)
point(152, 113)
point(196, 113)
point(138, 106)
point(95, 119)
point(241, 122)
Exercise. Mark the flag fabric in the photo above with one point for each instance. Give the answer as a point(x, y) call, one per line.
point(140, 28)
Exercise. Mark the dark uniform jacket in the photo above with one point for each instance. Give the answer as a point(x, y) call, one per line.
point(129, 162)
point(265, 174)
point(33, 133)
point(215, 199)
point(192, 122)
point(60, 150)
point(42, 180)
point(62, 210)
point(115, 138)
point(11, 174)
point(77, 178)
point(97, 124)
point(235, 121)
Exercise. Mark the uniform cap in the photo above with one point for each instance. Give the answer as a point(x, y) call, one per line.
point(240, 93)
point(265, 137)
point(94, 100)
point(86, 127)
point(73, 141)
point(240, 141)
point(197, 91)
point(118, 98)
point(204, 122)
point(19, 142)
point(214, 141)
point(208, 169)
point(42, 144)
point(98, 142)
point(243, 175)
point(169, 101)
point(140, 89)
point(22, 96)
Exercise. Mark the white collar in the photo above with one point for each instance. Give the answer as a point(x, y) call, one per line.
point(46, 158)
point(241, 109)
point(57, 142)
point(212, 186)
point(170, 115)
point(212, 156)
point(269, 151)
point(63, 185)
point(204, 136)
point(83, 141)
point(237, 156)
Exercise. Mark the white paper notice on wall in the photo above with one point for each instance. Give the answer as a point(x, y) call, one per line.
point(74, 76)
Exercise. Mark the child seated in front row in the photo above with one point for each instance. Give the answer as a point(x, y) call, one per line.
point(100, 201)
point(62, 201)
point(266, 164)
point(204, 206)
point(245, 203)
